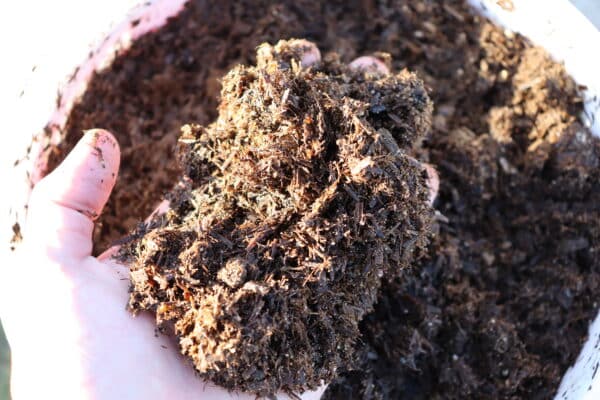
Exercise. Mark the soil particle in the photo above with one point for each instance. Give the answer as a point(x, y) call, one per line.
point(500, 307)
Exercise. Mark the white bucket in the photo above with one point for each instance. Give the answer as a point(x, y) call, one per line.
point(555, 25)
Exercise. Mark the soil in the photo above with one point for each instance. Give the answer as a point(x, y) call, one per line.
point(294, 206)
point(500, 306)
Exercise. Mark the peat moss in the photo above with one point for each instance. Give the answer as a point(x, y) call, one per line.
point(295, 204)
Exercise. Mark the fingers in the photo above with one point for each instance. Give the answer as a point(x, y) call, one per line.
point(375, 65)
point(161, 209)
point(314, 395)
point(64, 205)
point(369, 64)
point(433, 182)
point(310, 52)
point(312, 56)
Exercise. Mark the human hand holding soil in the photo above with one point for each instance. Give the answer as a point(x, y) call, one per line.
point(70, 334)
point(82, 342)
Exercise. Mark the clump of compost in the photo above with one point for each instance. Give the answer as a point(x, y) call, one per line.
point(294, 206)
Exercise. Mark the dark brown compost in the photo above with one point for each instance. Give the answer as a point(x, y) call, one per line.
point(295, 204)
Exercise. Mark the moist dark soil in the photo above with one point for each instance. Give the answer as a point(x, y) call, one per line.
point(294, 206)
point(500, 305)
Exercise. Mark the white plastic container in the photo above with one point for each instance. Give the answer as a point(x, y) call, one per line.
point(556, 25)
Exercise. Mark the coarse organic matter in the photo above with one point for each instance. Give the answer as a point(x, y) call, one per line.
point(294, 205)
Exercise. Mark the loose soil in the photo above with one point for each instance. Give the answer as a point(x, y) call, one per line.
point(500, 306)
point(293, 207)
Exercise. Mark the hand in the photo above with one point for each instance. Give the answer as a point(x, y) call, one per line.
point(70, 333)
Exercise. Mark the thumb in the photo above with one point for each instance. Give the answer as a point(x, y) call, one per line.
point(63, 205)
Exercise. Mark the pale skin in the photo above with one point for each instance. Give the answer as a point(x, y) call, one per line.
point(70, 333)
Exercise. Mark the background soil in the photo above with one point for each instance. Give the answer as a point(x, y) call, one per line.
point(501, 307)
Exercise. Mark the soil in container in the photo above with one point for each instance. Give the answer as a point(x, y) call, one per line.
point(499, 308)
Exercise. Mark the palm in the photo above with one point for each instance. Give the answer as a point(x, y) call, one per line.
point(101, 351)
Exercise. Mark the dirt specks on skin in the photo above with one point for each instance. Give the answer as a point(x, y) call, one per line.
point(17, 236)
point(98, 153)
point(296, 203)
